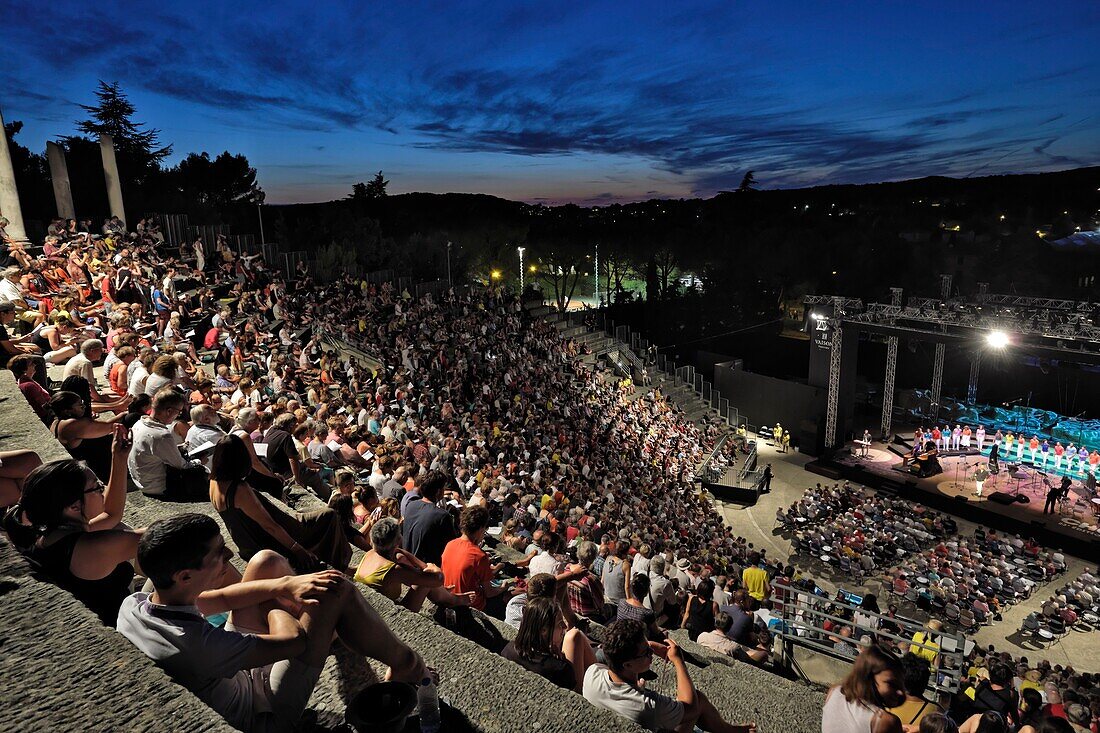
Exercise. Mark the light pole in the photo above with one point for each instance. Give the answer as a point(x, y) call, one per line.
point(520, 250)
point(597, 274)
point(260, 213)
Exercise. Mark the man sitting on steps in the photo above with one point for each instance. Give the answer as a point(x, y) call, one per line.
point(259, 671)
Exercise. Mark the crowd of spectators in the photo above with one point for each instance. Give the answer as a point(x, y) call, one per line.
point(969, 581)
point(857, 532)
point(219, 383)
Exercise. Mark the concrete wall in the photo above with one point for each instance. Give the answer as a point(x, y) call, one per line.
point(65, 671)
point(764, 400)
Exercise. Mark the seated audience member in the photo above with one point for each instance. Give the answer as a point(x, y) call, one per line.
point(427, 528)
point(254, 523)
point(10, 344)
point(67, 523)
point(720, 641)
point(283, 457)
point(81, 365)
point(156, 465)
point(862, 701)
point(465, 565)
point(15, 465)
point(916, 672)
point(260, 670)
point(26, 370)
point(389, 569)
point(585, 592)
point(204, 431)
point(547, 646)
point(633, 607)
point(80, 433)
point(616, 686)
point(939, 723)
point(996, 694)
point(260, 476)
point(700, 610)
point(987, 722)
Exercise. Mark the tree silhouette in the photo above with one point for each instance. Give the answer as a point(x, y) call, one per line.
point(376, 189)
point(748, 183)
point(359, 192)
point(113, 115)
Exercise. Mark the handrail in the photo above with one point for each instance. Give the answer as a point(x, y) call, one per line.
point(804, 614)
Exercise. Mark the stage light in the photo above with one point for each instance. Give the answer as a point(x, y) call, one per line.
point(997, 339)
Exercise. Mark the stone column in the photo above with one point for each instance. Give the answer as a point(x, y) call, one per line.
point(59, 175)
point(110, 175)
point(9, 193)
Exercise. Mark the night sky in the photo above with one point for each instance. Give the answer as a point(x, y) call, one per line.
point(564, 101)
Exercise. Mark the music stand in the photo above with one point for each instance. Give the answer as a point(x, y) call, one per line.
point(955, 484)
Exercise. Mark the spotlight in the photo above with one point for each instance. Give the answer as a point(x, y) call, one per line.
point(997, 339)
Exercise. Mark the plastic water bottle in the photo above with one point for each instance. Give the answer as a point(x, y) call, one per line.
point(427, 698)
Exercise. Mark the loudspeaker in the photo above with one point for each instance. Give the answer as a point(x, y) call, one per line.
point(999, 497)
point(1021, 499)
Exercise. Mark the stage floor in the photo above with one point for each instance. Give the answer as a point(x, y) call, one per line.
point(955, 481)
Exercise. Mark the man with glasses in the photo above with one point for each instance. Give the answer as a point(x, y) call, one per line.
point(156, 464)
point(615, 686)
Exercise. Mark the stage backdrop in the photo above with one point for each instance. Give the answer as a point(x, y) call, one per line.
point(764, 400)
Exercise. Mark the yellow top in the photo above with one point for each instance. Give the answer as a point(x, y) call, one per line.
point(756, 582)
point(376, 578)
point(923, 638)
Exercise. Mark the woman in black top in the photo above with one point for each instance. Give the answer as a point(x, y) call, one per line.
point(67, 524)
point(996, 694)
point(255, 524)
point(699, 610)
point(538, 644)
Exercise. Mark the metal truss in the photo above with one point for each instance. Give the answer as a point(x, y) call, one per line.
point(844, 303)
point(891, 370)
point(1021, 301)
point(972, 385)
point(833, 401)
point(1071, 327)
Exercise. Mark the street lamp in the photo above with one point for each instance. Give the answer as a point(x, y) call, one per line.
point(520, 250)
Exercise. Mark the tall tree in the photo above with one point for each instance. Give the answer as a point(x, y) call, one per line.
point(748, 183)
point(359, 192)
point(376, 189)
point(220, 182)
point(113, 115)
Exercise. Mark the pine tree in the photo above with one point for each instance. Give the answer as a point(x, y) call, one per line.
point(113, 115)
point(376, 189)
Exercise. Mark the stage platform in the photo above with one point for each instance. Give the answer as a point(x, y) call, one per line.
point(953, 491)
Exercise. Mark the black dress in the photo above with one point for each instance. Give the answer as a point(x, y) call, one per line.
point(53, 555)
point(320, 531)
point(557, 670)
point(700, 618)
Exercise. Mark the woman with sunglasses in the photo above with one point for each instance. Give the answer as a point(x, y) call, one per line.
point(67, 524)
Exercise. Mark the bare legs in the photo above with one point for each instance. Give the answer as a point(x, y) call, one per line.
point(343, 612)
point(17, 464)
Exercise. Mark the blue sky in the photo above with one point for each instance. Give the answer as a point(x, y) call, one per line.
point(590, 102)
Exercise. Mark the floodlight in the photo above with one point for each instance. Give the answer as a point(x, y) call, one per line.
point(997, 339)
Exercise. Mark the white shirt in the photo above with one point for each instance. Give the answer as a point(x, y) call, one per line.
point(9, 291)
point(154, 448)
point(205, 659)
point(647, 708)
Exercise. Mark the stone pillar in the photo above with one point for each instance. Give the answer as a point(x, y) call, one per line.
point(59, 175)
point(110, 175)
point(9, 193)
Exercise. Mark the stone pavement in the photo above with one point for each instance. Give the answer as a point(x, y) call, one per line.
point(757, 524)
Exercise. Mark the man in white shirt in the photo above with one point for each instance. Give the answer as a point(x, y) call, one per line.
point(615, 687)
point(155, 452)
point(661, 590)
point(81, 366)
point(260, 670)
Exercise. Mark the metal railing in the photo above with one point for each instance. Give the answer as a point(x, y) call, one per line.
point(805, 613)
